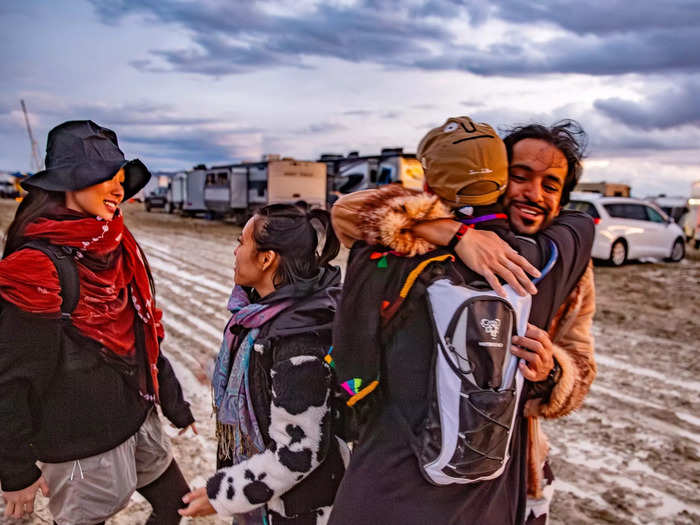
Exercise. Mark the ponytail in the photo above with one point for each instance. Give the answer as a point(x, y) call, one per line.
point(292, 232)
point(331, 245)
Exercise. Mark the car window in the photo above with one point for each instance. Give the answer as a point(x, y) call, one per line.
point(627, 211)
point(615, 210)
point(585, 207)
point(654, 216)
point(636, 212)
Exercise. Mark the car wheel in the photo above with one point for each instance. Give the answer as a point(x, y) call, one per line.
point(618, 253)
point(678, 251)
point(147, 205)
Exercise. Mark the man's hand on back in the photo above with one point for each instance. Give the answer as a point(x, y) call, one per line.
point(490, 256)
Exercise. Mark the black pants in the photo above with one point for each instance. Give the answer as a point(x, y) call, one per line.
point(165, 496)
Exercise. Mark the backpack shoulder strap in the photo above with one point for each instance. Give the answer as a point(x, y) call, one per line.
point(62, 259)
point(390, 308)
point(553, 256)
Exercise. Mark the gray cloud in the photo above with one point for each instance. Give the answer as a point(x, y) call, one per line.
point(235, 37)
point(144, 113)
point(605, 38)
point(153, 131)
point(603, 17)
point(677, 105)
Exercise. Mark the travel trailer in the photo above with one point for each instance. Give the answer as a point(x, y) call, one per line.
point(354, 172)
point(186, 192)
point(237, 190)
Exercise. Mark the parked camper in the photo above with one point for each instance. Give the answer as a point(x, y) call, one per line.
point(186, 192)
point(217, 190)
point(292, 180)
point(237, 190)
point(404, 169)
point(355, 172)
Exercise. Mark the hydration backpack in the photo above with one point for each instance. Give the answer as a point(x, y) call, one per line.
point(476, 385)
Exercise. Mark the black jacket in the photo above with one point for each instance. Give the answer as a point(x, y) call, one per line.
point(66, 397)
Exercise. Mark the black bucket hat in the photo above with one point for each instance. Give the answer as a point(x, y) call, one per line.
point(80, 153)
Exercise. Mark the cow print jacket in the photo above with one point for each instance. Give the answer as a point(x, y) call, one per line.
point(299, 472)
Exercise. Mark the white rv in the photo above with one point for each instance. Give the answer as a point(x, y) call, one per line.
point(355, 172)
point(292, 181)
point(187, 192)
point(238, 190)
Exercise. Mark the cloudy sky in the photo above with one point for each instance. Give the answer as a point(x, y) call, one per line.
point(216, 81)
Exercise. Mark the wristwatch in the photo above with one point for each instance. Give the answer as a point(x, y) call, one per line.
point(544, 388)
point(554, 374)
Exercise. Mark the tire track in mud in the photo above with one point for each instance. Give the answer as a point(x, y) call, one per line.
point(209, 260)
point(192, 295)
point(620, 472)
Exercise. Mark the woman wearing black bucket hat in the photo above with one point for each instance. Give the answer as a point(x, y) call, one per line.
point(80, 364)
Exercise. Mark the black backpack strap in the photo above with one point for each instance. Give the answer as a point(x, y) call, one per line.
point(62, 259)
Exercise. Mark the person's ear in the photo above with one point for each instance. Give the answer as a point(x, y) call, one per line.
point(268, 259)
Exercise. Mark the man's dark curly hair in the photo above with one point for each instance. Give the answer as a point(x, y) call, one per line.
point(566, 135)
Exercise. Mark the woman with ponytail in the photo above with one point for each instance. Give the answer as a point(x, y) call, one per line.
point(278, 457)
point(80, 385)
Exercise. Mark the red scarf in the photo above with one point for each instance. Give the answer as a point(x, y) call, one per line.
point(109, 265)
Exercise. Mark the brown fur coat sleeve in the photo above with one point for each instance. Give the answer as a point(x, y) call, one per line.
point(572, 343)
point(386, 216)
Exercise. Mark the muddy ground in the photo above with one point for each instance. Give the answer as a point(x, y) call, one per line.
point(631, 454)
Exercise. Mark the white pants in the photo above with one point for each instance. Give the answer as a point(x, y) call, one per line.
point(90, 490)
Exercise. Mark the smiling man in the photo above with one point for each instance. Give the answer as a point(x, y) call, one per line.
point(536, 177)
point(544, 166)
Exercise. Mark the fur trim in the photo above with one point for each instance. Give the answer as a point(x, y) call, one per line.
point(564, 387)
point(389, 214)
point(572, 345)
point(537, 451)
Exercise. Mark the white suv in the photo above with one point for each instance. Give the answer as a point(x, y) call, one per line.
point(629, 229)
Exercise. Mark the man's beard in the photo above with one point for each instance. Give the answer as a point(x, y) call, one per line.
point(539, 221)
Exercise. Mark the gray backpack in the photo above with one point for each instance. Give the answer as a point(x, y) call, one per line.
point(476, 385)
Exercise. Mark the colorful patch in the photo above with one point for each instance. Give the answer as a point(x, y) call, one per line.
point(328, 359)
